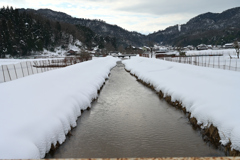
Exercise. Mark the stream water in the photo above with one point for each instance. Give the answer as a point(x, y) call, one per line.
point(129, 120)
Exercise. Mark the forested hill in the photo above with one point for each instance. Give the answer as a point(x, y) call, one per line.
point(23, 33)
point(26, 31)
point(207, 28)
point(100, 27)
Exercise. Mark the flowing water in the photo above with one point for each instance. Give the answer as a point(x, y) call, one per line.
point(129, 120)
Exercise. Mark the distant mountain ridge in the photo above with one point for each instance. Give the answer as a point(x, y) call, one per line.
point(209, 28)
point(98, 26)
point(212, 28)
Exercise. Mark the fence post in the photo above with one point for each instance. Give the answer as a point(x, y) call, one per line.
point(3, 74)
point(225, 64)
point(27, 68)
point(36, 66)
point(31, 67)
point(22, 69)
point(9, 73)
point(213, 60)
point(15, 71)
point(208, 60)
point(44, 69)
point(230, 64)
point(49, 64)
point(42, 66)
point(236, 65)
point(205, 60)
point(46, 65)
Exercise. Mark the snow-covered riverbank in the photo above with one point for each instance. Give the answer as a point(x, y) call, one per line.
point(39, 110)
point(210, 95)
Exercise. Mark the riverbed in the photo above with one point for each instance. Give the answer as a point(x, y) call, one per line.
point(129, 120)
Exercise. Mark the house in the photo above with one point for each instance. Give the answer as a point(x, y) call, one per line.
point(162, 50)
point(114, 53)
point(202, 47)
point(210, 46)
point(190, 47)
point(146, 49)
point(71, 52)
point(230, 45)
point(164, 54)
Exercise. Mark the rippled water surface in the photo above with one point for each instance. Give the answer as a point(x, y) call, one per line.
point(129, 120)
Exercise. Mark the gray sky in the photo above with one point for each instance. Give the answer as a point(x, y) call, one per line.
point(144, 16)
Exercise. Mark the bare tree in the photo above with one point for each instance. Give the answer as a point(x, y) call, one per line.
point(121, 49)
point(109, 47)
point(84, 56)
point(236, 46)
point(180, 49)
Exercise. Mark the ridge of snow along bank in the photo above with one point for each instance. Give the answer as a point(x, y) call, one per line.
point(39, 110)
point(210, 95)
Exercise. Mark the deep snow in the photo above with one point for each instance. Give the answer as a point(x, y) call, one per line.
point(210, 95)
point(40, 109)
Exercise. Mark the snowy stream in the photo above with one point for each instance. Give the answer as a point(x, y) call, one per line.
point(129, 120)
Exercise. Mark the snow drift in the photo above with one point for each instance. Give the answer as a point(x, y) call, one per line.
point(39, 110)
point(210, 95)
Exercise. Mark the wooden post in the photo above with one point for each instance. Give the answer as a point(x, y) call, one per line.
point(213, 60)
point(47, 67)
point(27, 67)
point(219, 63)
point(36, 66)
point(49, 64)
point(230, 64)
point(31, 67)
point(3, 74)
point(44, 66)
point(41, 66)
point(15, 71)
point(9, 73)
point(225, 64)
point(22, 69)
point(208, 61)
point(236, 65)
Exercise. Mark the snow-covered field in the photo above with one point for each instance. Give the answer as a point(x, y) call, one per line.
point(210, 95)
point(227, 61)
point(11, 69)
point(16, 61)
point(39, 110)
point(225, 52)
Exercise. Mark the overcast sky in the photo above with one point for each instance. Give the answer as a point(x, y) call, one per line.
point(144, 16)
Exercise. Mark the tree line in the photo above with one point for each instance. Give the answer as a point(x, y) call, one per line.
point(25, 33)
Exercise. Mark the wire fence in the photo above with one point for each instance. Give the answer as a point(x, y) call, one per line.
point(15, 71)
point(220, 62)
